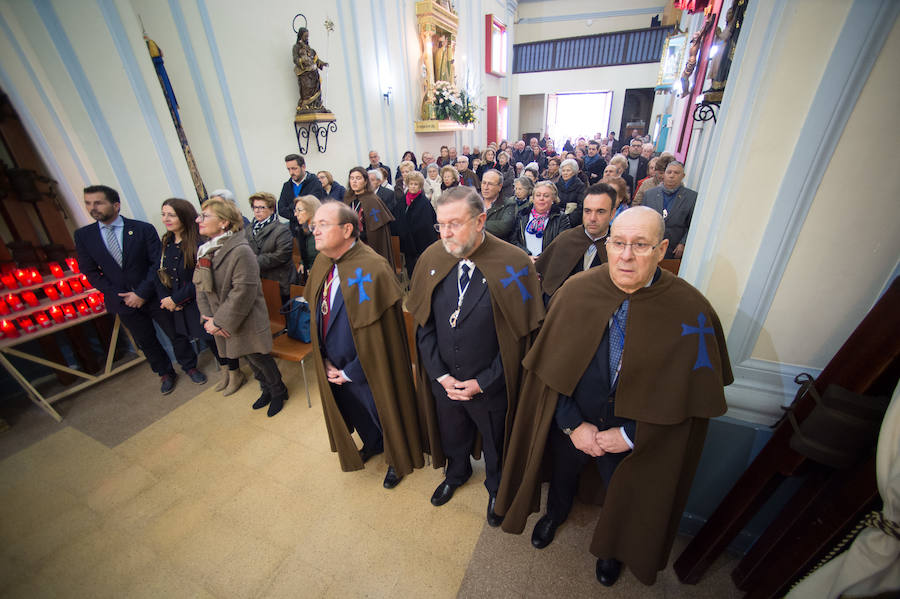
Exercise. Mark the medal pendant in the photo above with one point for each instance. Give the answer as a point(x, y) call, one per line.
point(665, 214)
point(324, 308)
point(453, 318)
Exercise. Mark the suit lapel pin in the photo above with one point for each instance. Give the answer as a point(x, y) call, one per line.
point(131, 232)
point(483, 281)
point(432, 272)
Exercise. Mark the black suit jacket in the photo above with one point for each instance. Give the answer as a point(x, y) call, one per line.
point(470, 350)
point(140, 260)
point(678, 216)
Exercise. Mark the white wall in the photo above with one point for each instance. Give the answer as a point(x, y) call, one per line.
point(552, 19)
point(79, 75)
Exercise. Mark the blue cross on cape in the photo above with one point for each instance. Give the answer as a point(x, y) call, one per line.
point(374, 212)
point(701, 330)
point(514, 276)
point(359, 279)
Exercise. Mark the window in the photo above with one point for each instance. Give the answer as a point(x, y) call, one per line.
point(494, 46)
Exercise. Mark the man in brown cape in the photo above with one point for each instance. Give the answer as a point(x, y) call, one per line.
point(581, 248)
point(360, 349)
point(629, 387)
point(476, 302)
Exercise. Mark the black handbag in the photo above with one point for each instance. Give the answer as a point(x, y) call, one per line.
point(296, 315)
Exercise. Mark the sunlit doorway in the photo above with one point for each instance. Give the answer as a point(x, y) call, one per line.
point(582, 114)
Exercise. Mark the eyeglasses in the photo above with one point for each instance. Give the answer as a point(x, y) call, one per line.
point(203, 216)
point(639, 248)
point(453, 227)
point(323, 226)
point(299, 210)
point(260, 208)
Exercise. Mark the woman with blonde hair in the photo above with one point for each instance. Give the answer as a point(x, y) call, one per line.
point(230, 298)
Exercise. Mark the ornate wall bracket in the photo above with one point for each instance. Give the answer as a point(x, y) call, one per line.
point(706, 111)
point(315, 125)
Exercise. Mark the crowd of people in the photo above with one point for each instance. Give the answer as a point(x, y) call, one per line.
point(546, 334)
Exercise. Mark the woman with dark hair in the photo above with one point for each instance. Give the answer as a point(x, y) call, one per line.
point(552, 172)
point(538, 225)
point(374, 215)
point(411, 157)
point(449, 177)
point(230, 298)
point(333, 189)
point(508, 170)
point(173, 283)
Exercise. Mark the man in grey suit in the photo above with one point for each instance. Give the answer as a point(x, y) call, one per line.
point(676, 204)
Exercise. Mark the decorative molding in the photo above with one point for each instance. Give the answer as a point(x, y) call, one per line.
point(47, 154)
point(69, 58)
point(141, 94)
point(352, 94)
point(226, 94)
point(190, 58)
point(761, 387)
point(629, 12)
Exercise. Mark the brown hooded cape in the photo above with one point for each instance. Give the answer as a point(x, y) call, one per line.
point(380, 339)
point(374, 221)
point(557, 262)
point(671, 382)
point(518, 312)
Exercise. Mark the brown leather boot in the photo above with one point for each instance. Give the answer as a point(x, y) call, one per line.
point(235, 381)
point(224, 382)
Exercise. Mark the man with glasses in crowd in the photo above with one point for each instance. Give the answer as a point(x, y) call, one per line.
point(476, 301)
point(626, 390)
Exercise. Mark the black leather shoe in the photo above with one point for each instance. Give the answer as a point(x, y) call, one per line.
point(544, 531)
point(367, 453)
point(608, 571)
point(391, 479)
point(167, 383)
point(492, 518)
point(197, 376)
point(275, 405)
point(442, 494)
point(263, 401)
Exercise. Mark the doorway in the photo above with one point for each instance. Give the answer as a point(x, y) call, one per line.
point(636, 112)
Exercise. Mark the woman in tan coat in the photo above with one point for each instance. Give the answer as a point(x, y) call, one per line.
point(230, 298)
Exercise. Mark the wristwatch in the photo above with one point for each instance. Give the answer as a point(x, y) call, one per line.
point(568, 431)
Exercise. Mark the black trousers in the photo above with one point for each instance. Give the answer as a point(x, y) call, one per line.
point(568, 462)
point(357, 406)
point(265, 370)
point(140, 324)
point(458, 421)
point(210, 341)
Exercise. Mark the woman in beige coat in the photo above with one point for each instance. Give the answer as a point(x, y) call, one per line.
point(230, 298)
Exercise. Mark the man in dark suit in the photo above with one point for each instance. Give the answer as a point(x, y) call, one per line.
point(637, 164)
point(476, 301)
point(120, 257)
point(301, 183)
point(594, 164)
point(676, 204)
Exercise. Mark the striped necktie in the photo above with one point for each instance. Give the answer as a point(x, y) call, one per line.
point(617, 340)
point(112, 244)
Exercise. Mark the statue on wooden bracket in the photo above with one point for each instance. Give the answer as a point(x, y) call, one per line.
point(306, 67)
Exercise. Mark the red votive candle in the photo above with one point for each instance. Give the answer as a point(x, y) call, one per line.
point(69, 312)
point(57, 314)
point(9, 329)
point(43, 320)
point(9, 281)
point(14, 302)
point(85, 283)
point(23, 277)
point(30, 298)
point(95, 301)
point(56, 270)
point(73, 264)
point(75, 284)
point(26, 324)
point(82, 308)
point(51, 292)
point(4, 309)
point(64, 289)
point(35, 276)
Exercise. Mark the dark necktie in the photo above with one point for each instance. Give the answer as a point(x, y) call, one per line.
point(464, 277)
point(617, 340)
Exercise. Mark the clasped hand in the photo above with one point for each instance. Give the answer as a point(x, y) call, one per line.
point(212, 329)
point(461, 390)
point(594, 442)
point(334, 374)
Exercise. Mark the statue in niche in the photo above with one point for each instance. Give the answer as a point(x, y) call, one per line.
point(307, 66)
point(443, 59)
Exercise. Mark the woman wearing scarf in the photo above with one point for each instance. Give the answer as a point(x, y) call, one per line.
point(416, 221)
point(571, 190)
point(230, 298)
point(272, 242)
point(432, 185)
point(538, 224)
point(523, 188)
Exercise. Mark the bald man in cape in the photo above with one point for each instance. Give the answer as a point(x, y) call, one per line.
point(476, 301)
point(628, 388)
point(360, 349)
point(581, 248)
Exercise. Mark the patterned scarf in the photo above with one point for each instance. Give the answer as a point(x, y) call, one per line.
point(203, 278)
point(259, 224)
point(537, 223)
